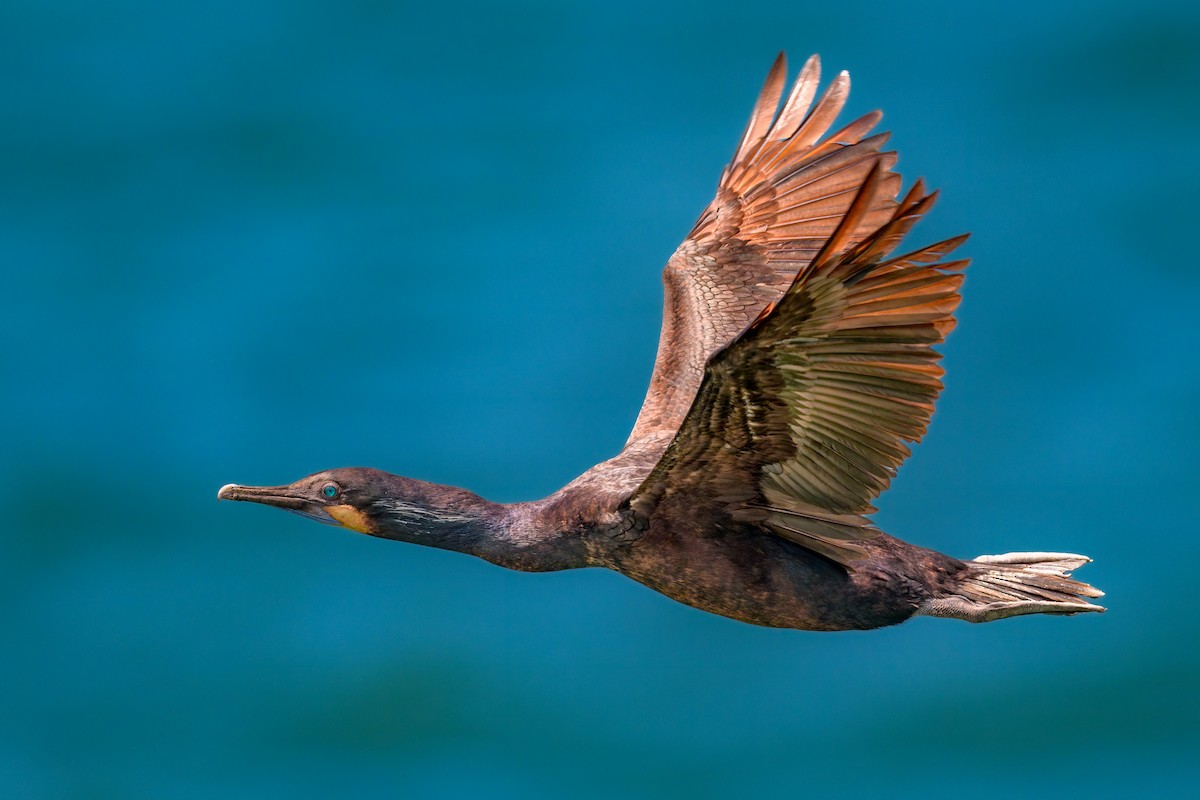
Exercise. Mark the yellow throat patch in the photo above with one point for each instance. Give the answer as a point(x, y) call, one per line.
point(350, 517)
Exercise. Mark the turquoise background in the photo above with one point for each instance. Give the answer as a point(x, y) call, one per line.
point(245, 241)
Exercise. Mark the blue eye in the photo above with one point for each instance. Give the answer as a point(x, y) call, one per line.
point(330, 490)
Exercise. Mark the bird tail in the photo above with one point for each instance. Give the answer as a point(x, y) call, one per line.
point(995, 587)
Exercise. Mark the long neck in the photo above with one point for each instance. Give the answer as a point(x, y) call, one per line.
point(450, 518)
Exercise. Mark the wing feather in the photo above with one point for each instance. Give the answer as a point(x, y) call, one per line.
point(764, 109)
point(799, 100)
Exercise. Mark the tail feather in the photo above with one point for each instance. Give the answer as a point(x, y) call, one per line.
point(995, 587)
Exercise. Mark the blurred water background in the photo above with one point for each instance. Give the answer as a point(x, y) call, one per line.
point(244, 241)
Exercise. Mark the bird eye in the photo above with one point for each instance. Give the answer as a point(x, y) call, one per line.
point(329, 490)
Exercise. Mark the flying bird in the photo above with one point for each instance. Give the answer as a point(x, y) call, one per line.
point(795, 366)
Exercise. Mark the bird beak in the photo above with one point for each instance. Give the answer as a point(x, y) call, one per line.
point(279, 496)
point(285, 497)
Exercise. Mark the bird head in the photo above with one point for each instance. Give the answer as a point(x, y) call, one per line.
point(381, 504)
point(348, 496)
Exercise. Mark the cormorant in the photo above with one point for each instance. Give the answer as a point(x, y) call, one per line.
point(795, 366)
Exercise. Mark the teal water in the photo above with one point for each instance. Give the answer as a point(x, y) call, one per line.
point(247, 241)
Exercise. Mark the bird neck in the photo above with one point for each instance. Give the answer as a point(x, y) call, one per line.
point(450, 518)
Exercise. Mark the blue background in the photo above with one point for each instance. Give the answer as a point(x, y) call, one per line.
point(245, 241)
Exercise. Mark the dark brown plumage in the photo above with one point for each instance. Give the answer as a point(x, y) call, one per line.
point(795, 366)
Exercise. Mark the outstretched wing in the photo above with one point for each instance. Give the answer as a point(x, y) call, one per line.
point(780, 199)
point(802, 421)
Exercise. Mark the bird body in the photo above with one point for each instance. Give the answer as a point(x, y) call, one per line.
point(795, 365)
